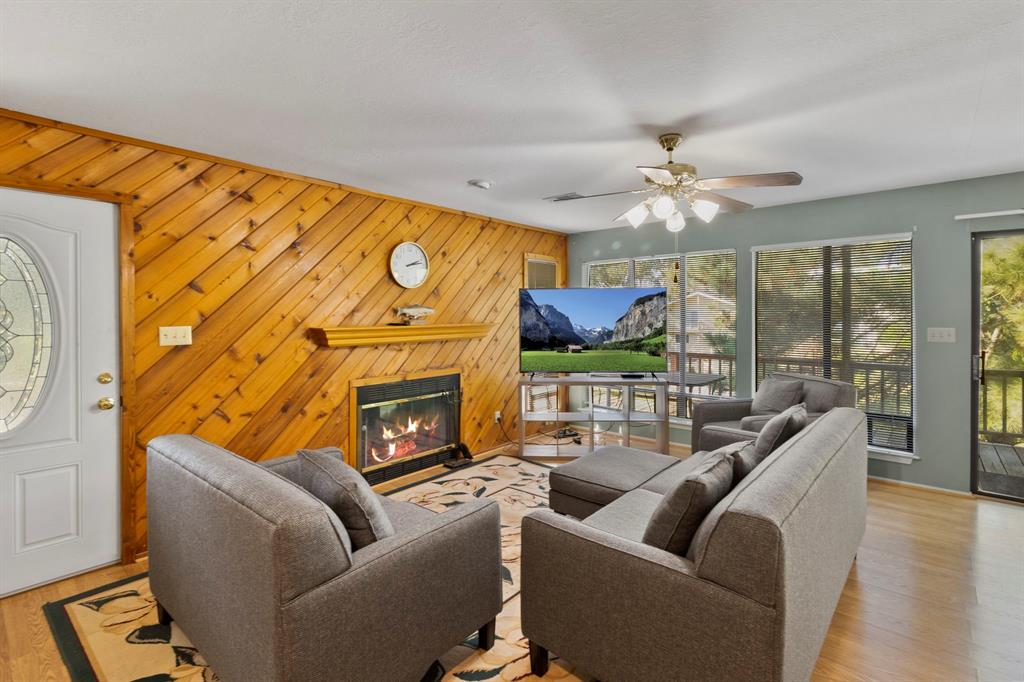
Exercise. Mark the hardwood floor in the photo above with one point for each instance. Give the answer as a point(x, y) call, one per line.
point(936, 594)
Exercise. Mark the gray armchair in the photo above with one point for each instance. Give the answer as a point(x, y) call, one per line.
point(719, 422)
point(257, 572)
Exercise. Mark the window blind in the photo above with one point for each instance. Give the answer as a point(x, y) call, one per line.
point(541, 274)
point(843, 312)
point(608, 274)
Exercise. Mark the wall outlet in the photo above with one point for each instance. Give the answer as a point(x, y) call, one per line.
point(941, 335)
point(175, 336)
point(497, 416)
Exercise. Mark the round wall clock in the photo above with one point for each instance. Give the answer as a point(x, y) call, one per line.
point(409, 265)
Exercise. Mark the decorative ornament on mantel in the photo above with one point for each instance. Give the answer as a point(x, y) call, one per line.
point(413, 314)
point(674, 186)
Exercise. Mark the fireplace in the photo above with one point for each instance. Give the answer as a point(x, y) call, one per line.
point(405, 425)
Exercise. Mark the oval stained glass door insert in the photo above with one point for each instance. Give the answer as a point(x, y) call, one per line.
point(26, 334)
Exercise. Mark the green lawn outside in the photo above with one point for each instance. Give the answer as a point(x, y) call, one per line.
point(590, 361)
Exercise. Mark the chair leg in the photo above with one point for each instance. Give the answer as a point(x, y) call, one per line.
point(434, 673)
point(162, 616)
point(538, 660)
point(486, 638)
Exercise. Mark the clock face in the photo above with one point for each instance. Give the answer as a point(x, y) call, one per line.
point(409, 265)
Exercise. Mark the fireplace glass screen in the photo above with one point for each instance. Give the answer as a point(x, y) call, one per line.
point(407, 419)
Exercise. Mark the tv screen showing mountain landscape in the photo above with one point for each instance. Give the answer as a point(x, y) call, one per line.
point(592, 330)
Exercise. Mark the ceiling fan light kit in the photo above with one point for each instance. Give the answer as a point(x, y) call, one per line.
point(705, 210)
point(675, 222)
point(673, 186)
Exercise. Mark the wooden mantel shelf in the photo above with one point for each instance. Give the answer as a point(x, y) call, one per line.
point(339, 337)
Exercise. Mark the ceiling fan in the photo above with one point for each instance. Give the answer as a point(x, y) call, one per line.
point(673, 185)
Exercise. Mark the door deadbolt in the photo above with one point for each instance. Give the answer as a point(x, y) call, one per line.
point(105, 378)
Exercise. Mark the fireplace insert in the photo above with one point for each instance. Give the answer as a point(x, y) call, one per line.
point(406, 425)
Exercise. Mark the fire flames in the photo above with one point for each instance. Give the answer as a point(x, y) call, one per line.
point(401, 439)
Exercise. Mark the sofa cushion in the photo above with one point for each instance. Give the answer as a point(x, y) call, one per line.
point(755, 422)
point(681, 510)
point(774, 395)
point(404, 515)
point(627, 516)
point(347, 493)
point(608, 473)
point(779, 429)
point(670, 478)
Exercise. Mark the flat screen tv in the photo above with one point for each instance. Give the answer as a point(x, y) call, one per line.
point(593, 330)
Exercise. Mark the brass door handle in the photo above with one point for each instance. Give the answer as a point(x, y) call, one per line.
point(105, 404)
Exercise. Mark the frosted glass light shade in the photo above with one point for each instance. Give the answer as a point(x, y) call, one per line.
point(675, 222)
point(663, 207)
point(705, 210)
point(636, 215)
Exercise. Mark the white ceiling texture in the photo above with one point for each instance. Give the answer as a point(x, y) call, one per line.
point(415, 98)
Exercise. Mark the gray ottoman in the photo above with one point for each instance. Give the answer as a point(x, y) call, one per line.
point(582, 487)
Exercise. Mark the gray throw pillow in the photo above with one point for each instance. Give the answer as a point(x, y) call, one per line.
point(820, 396)
point(774, 395)
point(779, 429)
point(744, 459)
point(676, 518)
point(347, 493)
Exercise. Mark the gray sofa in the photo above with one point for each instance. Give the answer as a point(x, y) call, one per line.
point(719, 422)
point(256, 572)
point(752, 599)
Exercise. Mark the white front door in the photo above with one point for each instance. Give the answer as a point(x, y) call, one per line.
point(59, 387)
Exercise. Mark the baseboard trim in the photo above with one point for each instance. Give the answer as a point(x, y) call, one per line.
point(921, 486)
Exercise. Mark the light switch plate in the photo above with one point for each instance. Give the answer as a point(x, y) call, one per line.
point(941, 335)
point(175, 336)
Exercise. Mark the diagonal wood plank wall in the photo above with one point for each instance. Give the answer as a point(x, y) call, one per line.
point(251, 258)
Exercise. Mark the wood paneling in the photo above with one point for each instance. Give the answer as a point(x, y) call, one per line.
point(251, 259)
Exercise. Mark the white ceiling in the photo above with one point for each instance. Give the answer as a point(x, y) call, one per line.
point(415, 98)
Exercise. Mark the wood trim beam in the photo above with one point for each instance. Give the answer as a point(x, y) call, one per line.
point(126, 258)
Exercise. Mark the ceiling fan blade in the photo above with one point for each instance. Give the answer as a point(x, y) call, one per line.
point(725, 203)
point(760, 180)
point(571, 196)
point(658, 175)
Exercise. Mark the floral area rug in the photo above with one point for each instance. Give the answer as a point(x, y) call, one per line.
point(111, 634)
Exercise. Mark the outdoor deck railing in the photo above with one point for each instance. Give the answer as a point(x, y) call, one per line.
point(1001, 399)
point(884, 390)
point(885, 393)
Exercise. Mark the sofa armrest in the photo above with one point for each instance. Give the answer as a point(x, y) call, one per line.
point(597, 599)
point(714, 437)
point(405, 601)
point(710, 411)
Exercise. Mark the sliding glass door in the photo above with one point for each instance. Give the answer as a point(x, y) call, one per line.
point(997, 462)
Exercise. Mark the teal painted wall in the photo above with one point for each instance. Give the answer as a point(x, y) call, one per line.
point(942, 281)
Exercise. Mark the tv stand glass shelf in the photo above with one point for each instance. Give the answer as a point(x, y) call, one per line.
point(587, 400)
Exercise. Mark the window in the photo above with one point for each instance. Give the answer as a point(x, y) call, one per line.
point(707, 346)
point(540, 272)
point(843, 311)
point(26, 334)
